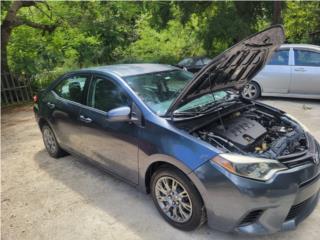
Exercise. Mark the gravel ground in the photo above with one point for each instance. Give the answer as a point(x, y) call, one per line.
point(44, 198)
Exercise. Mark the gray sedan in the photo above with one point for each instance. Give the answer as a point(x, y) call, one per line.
point(293, 71)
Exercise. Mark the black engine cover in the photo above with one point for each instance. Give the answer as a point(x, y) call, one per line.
point(242, 131)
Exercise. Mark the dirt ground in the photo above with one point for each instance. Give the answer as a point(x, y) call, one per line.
point(44, 198)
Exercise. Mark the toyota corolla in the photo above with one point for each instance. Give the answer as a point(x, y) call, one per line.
point(204, 153)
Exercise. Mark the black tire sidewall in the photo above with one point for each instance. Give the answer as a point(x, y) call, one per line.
point(197, 217)
point(258, 92)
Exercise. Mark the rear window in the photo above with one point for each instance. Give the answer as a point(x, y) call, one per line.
point(306, 58)
point(206, 60)
point(199, 62)
point(186, 62)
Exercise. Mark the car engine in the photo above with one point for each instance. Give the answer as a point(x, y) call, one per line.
point(254, 131)
point(242, 131)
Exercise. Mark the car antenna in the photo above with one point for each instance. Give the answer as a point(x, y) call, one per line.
point(214, 99)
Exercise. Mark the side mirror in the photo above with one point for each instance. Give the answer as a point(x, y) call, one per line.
point(120, 114)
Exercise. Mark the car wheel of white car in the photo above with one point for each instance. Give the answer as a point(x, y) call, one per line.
point(251, 91)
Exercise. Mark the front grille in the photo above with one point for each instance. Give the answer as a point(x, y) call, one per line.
point(297, 209)
point(292, 161)
point(311, 155)
point(251, 217)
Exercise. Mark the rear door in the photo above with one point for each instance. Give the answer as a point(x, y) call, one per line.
point(306, 72)
point(113, 144)
point(276, 75)
point(63, 104)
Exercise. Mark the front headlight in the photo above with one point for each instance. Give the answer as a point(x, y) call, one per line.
point(256, 168)
point(297, 121)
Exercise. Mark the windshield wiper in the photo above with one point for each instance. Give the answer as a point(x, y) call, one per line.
point(214, 106)
point(209, 108)
point(185, 114)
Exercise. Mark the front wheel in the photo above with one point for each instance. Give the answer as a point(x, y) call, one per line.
point(251, 91)
point(177, 199)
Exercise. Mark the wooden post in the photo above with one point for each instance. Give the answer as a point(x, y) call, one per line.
point(8, 88)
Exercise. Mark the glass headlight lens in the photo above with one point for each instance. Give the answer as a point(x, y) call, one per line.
point(256, 168)
point(304, 127)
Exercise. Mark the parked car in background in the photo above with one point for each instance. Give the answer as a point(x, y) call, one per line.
point(293, 71)
point(193, 64)
point(204, 153)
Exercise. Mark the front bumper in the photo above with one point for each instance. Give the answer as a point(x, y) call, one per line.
point(234, 203)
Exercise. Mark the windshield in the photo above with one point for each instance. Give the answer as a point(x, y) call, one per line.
point(204, 101)
point(158, 90)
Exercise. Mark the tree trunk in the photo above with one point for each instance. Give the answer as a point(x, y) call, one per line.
point(7, 25)
point(276, 18)
point(5, 34)
point(11, 21)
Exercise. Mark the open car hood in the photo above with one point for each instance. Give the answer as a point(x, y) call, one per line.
point(233, 68)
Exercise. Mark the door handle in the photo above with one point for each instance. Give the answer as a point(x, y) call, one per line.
point(85, 119)
point(51, 105)
point(300, 70)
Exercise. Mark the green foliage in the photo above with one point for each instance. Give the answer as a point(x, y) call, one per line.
point(88, 33)
point(301, 19)
point(97, 33)
point(4, 8)
point(168, 45)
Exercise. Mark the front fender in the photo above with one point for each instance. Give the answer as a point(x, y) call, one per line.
point(145, 161)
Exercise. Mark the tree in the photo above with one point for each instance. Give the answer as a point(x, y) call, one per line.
point(276, 18)
point(167, 45)
point(11, 21)
point(300, 20)
point(84, 34)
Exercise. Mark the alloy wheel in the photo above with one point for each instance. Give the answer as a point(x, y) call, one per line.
point(250, 91)
point(173, 199)
point(49, 140)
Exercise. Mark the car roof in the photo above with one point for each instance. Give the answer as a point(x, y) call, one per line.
point(125, 70)
point(308, 46)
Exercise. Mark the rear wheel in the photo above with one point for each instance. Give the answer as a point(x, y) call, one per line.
point(50, 142)
point(177, 199)
point(251, 91)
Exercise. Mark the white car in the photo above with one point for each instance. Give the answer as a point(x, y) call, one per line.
point(293, 71)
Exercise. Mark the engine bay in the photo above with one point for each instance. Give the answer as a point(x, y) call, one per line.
point(254, 131)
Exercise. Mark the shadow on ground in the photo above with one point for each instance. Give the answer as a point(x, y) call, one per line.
point(120, 200)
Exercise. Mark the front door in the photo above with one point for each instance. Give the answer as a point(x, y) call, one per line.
point(306, 72)
point(112, 144)
point(276, 75)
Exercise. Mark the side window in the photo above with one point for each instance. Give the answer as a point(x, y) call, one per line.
point(306, 58)
point(105, 95)
point(280, 57)
point(186, 62)
point(72, 88)
point(199, 62)
point(206, 60)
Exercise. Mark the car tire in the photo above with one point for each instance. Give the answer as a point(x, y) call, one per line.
point(51, 143)
point(251, 91)
point(182, 206)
